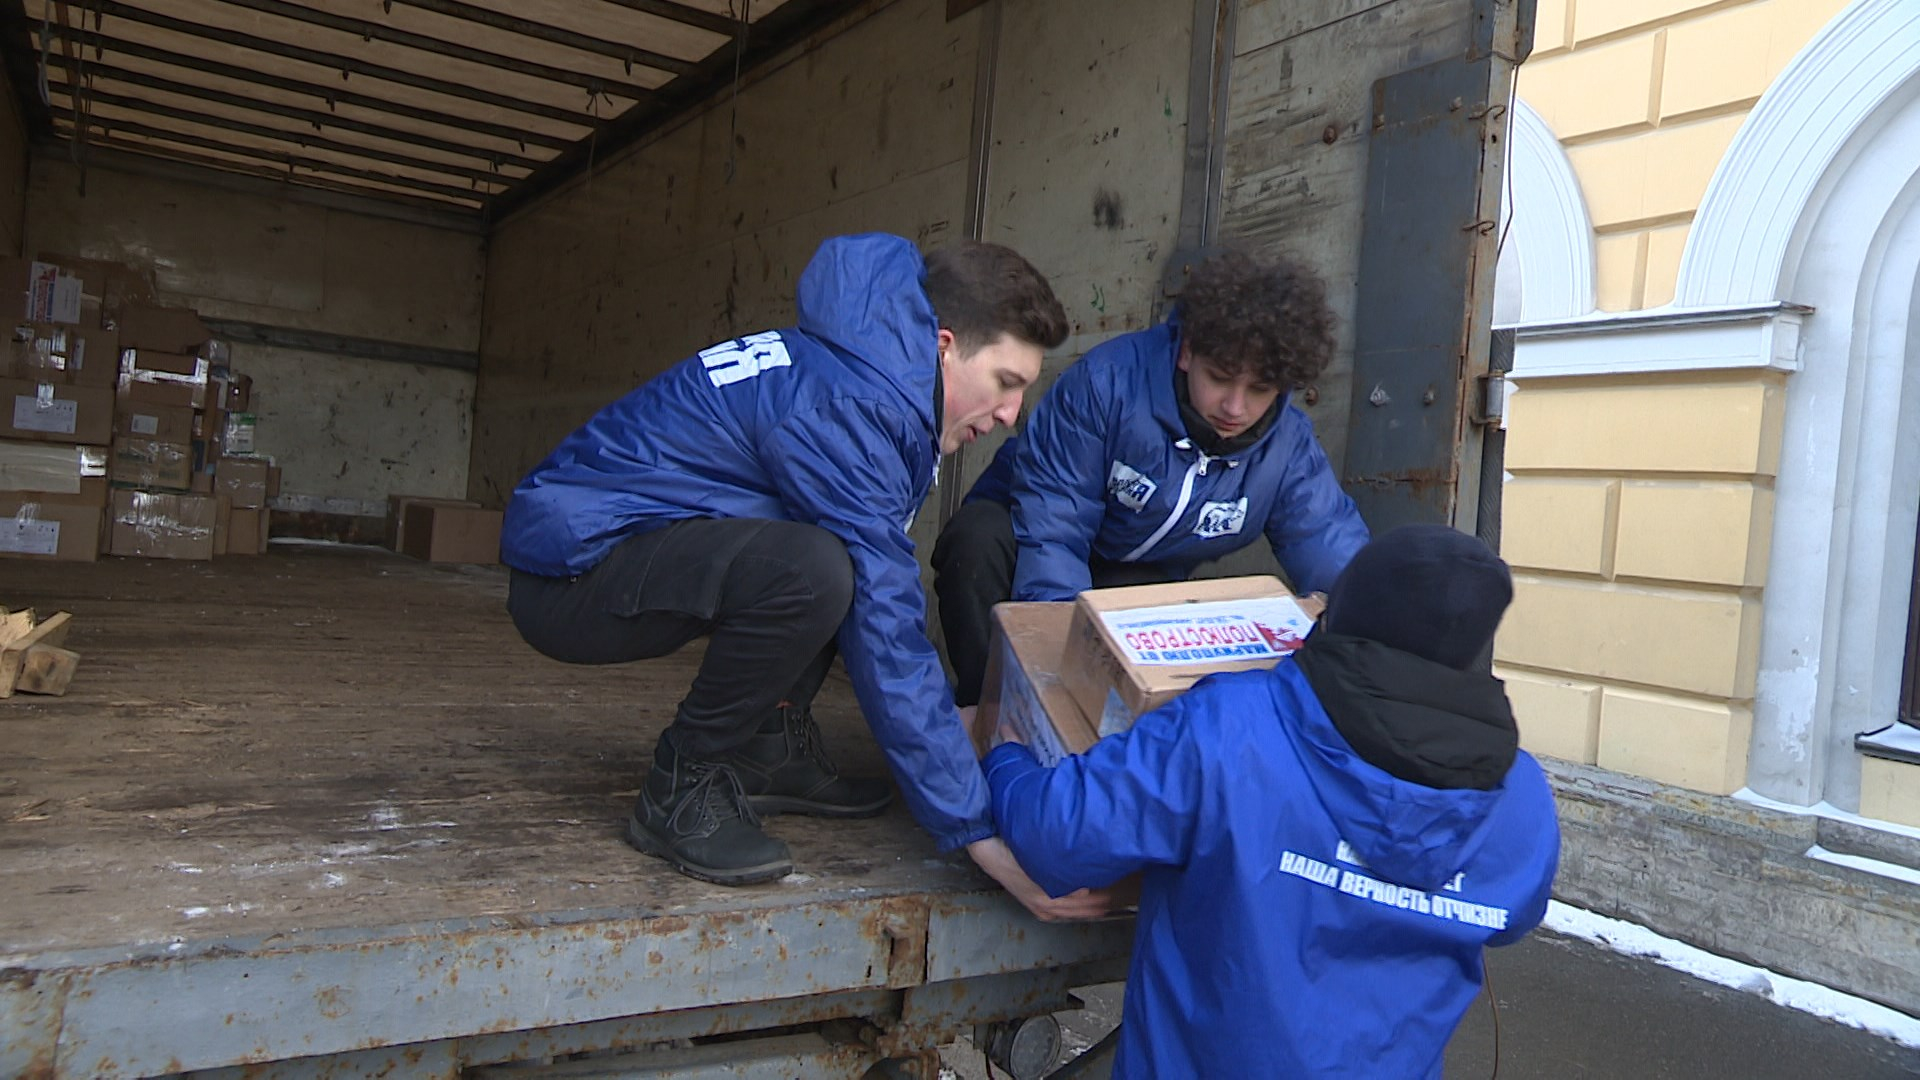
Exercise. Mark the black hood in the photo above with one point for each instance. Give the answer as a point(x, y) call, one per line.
point(1414, 719)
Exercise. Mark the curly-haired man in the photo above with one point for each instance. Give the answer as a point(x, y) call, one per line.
point(1158, 451)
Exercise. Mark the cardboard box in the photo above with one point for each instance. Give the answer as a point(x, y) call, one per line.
point(168, 423)
point(460, 534)
point(76, 355)
point(247, 531)
point(54, 469)
point(1023, 686)
point(49, 528)
point(235, 391)
point(210, 423)
point(53, 412)
point(160, 525)
point(106, 287)
point(222, 523)
point(151, 463)
point(1134, 649)
point(237, 432)
point(248, 481)
point(167, 330)
point(397, 515)
point(206, 459)
point(35, 291)
point(151, 377)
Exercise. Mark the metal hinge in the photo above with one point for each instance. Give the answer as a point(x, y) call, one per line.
point(1490, 399)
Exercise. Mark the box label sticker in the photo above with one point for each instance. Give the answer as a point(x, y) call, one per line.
point(1266, 628)
point(40, 412)
point(144, 425)
point(27, 536)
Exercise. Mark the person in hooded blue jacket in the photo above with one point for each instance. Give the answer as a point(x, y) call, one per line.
point(758, 494)
point(1157, 451)
point(1326, 846)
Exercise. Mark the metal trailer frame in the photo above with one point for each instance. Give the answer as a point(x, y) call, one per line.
point(843, 985)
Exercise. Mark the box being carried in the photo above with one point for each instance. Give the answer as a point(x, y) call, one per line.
point(1022, 684)
point(1134, 649)
point(1125, 651)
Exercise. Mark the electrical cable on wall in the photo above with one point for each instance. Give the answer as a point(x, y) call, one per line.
point(739, 55)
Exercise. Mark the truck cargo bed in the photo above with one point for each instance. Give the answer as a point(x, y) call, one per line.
point(326, 800)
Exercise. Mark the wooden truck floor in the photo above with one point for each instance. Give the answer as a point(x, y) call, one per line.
point(340, 773)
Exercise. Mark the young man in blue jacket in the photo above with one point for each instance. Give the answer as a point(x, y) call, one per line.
point(758, 494)
point(1326, 846)
point(1157, 451)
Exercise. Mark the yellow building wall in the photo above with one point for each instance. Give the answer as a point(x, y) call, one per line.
point(1636, 522)
point(1645, 95)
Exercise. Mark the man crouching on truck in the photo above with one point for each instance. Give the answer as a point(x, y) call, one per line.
point(1157, 451)
point(758, 495)
point(1326, 846)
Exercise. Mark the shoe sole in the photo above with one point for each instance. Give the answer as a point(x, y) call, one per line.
point(769, 805)
point(644, 842)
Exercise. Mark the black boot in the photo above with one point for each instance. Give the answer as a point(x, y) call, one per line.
point(784, 770)
point(693, 814)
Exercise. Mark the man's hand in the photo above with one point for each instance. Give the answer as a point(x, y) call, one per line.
point(993, 856)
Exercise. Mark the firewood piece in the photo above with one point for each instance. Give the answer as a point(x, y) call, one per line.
point(46, 669)
point(51, 633)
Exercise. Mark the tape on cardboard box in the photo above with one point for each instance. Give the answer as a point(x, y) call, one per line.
point(50, 468)
point(37, 527)
point(163, 525)
point(55, 412)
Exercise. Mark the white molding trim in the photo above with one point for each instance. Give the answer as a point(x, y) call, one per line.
point(1551, 232)
point(1741, 248)
point(1753, 337)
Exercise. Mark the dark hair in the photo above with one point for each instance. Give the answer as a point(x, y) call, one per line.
point(981, 291)
point(1242, 313)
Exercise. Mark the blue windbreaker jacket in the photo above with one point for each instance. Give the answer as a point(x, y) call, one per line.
point(1105, 468)
point(1302, 913)
point(832, 423)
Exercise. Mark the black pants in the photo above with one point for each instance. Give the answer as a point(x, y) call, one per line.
point(973, 570)
point(768, 595)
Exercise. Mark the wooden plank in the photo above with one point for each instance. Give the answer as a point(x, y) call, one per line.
point(502, 52)
point(282, 104)
point(164, 109)
point(163, 152)
point(201, 69)
point(392, 70)
point(112, 122)
point(46, 669)
point(52, 632)
point(14, 625)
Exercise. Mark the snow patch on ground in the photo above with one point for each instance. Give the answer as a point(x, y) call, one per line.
point(1634, 940)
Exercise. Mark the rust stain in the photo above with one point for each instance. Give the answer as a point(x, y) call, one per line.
point(332, 1001)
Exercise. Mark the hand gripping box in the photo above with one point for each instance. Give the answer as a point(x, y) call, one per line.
point(1130, 650)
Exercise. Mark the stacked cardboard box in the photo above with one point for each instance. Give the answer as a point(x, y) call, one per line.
point(185, 443)
point(92, 361)
point(56, 413)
